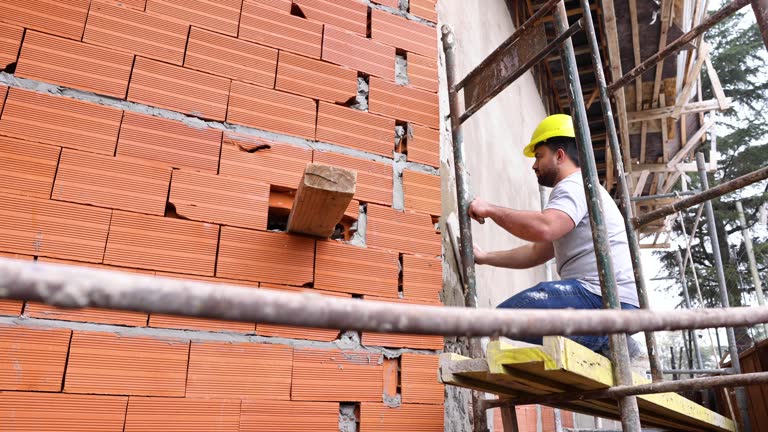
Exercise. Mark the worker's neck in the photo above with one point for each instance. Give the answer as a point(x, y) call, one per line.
point(566, 170)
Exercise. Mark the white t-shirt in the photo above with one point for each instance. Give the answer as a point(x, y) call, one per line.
point(575, 251)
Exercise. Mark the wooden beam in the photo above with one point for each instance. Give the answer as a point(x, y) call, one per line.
point(693, 76)
point(666, 20)
point(717, 88)
point(682, 167)
point(692, 143)
point(671, 181)
point(636, 53)
point(614, 58)
point(655, 245)
point(323, 196)
point(641, 183)
point(664, 130)
point(663, 112)
point(609, 167)
point(569, 12)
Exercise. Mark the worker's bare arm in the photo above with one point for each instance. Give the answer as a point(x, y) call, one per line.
point(522, 257)
point(546, 226)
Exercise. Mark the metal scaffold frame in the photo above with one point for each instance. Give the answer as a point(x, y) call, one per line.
point(478, 92)
point(66, 286)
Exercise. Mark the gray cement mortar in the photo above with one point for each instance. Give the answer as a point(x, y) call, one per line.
point(401, 70)
point(347, 419)
point(361, 98)
point(243, 132)
point(346, 341)
point(400, 11)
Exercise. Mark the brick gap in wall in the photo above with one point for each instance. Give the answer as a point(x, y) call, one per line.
point(400, 292)
point(368, 22)
point(402, 132)
point(117, 138)
point(66, 361)
point(399, 361)
point(9, 68)
point(296, 11)
point(349, 416)
point(280, 203)
point(401, 67)
point(436, 223)
point(360, 101)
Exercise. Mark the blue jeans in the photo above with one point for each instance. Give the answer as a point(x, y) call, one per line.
point(564, 294)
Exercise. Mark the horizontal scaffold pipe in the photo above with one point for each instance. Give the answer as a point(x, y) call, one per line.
point(709, 194)
point(693, 384)
point(75, 287)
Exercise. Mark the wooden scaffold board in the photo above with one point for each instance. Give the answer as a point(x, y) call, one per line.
point(561, 365)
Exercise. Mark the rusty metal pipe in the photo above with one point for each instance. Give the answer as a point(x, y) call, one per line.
point(693, 384)
point(624, 194)
point(555, 44)
point(715, 192)
point(78, 287)
point(683, 40)
point(530, 22)
point(463, 199)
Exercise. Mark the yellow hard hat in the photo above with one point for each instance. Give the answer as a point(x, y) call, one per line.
point(556, 125)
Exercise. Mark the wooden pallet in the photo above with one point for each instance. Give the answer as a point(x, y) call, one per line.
point(561, 365)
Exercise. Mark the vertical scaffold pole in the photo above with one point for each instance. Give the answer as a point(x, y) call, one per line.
point(630, 416)
point(741, 395)
point(688, 305)
point(624, 194)
point(752, 263)
point(463, 198)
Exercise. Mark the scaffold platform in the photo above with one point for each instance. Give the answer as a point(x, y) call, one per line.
point(561, 365)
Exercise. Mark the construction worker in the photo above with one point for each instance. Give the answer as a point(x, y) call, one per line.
point(563, 231)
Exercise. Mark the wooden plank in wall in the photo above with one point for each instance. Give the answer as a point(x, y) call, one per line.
point(323, 196)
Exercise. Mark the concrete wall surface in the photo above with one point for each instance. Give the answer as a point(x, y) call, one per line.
point(494, 139)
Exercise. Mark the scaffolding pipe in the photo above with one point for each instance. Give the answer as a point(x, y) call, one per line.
point(687, 297)
point(689, 259)
point(530, 22)
point(752, 262)
point(741, 396)
point(624, 193)
point(680, 42)
point(705, 195)
point(666, 195)
point(619, 352)
point(463, 199)
point(692, 384)
point(698, 371)
point(79, 287)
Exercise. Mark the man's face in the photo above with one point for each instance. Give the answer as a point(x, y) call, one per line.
point(546, 166)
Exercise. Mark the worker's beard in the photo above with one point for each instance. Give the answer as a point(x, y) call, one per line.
point(548, 178)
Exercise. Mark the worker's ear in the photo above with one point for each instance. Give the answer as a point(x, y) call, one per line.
point(560, 155)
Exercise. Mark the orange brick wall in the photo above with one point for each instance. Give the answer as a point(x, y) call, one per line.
point(121, 185)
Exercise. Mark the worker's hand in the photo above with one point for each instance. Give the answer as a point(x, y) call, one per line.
point(479, 209)
point(480, 255)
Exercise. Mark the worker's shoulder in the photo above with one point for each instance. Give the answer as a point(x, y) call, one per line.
point(572, 183)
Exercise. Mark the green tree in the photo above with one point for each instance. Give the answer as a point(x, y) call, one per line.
point(740, 58)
